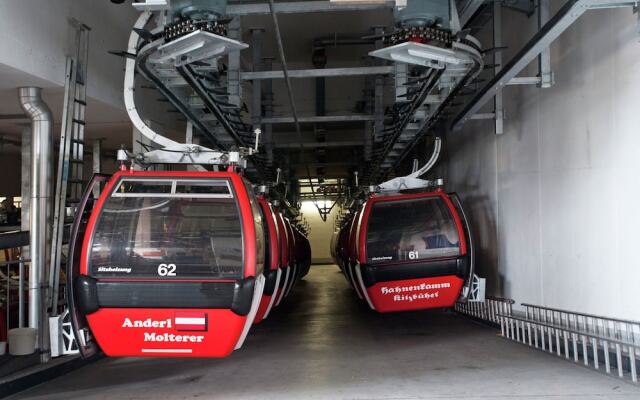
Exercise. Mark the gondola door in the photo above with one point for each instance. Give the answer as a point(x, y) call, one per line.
point(86, 343)
point(413, 252)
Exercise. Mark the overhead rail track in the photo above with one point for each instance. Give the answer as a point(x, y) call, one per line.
point(292, 104)
point(193, 115)
point(413, 118)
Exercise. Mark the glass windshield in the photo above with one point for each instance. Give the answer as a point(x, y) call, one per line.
point(414, 229)
point(144, 232)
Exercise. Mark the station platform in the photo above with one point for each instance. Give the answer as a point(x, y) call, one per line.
point(324, 344)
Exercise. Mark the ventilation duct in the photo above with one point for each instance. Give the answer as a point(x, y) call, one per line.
point(41, 167)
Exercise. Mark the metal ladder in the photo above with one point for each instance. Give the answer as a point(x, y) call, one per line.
point(69, 182)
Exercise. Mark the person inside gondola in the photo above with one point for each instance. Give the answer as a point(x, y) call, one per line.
point(431, 235)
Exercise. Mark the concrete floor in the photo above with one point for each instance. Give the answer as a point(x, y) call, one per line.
point(323, 344)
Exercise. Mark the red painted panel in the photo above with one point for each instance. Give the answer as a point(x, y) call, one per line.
point(154, 332)
point(415, 294)
point(262, 309)
point(272, 230)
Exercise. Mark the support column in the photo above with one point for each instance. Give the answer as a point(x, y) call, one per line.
point(233, 73)
point(256, 85)
point(544, 59)
point(401, 71)
point(497, 60)
point(378, 101)
point(369, 96)
point(96, 158)
point(190, 138)
point(25, 186)
point(267, 64)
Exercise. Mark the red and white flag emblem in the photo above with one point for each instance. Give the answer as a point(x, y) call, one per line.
point(191, 321)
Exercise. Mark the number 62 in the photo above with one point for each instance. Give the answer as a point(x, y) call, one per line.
point(167, 270)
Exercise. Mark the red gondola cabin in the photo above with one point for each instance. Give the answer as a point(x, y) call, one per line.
point(412, 251)
point(169, 264)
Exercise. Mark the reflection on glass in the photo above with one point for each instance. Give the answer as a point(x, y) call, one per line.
point(257, 222)
point(202, 237)
point(144, 186)
point(414, 229)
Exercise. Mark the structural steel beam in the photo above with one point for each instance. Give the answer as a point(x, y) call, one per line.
point(568, 13)
point(319, 119)
point(498, 101)
point(468, 11)
point(544, 59)
point(327, 164)
point(318, 73)
point(309, 146)
point(298, 7)
point(256, 89)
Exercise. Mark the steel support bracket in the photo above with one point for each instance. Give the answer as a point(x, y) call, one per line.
point(151, 5)
point(476, 294)
point(196, 46)
point(564, 17)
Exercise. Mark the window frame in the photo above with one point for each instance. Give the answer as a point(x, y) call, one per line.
point(437, 195)
point(174, 184)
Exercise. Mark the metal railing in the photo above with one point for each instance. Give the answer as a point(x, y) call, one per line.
point(489, 310)
point(12, 284)
point(598, 342)
point(614, 328)
point(12, 277)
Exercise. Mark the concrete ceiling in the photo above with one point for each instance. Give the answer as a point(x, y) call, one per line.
point(298, 30)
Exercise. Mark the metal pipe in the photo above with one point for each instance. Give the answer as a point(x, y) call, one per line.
point(316, 73)
point(41, 157)
point(544, 59)
point(256, 86)
point(498, 103)
point(8, 299)
point(25, 185)
point(268, 112)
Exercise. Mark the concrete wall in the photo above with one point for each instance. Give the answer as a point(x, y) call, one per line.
point(320, 232)
point(35, 36)
point(553, 199)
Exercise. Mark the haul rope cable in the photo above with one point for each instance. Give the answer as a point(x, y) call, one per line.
point(292, 102)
